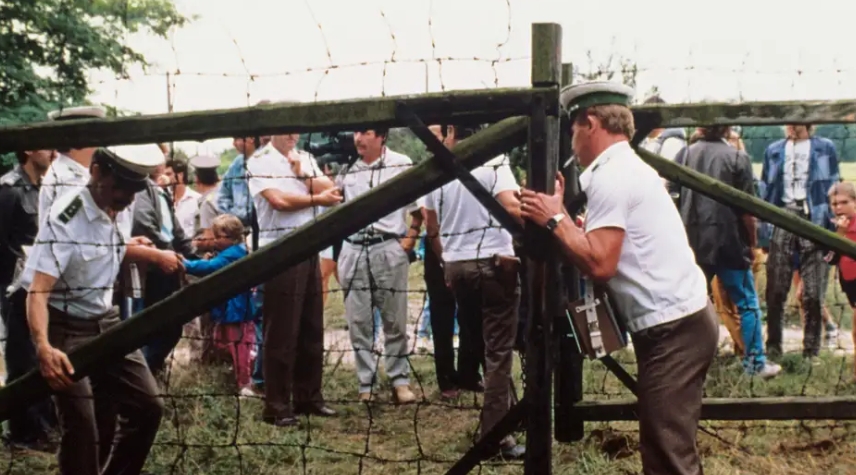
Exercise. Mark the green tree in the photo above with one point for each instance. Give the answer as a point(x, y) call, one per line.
point(403, 141)
point(48, 47)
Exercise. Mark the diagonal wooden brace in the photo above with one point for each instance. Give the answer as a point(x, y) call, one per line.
point(450, 163)
point(508, 424)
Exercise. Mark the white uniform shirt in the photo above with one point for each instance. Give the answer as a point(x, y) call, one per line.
point(82, 247)
point(796, 170)
point(362, 177)
point(66, 175)
point(269, 169)
point(467, 229)
point(185, 211)
point(658, 280)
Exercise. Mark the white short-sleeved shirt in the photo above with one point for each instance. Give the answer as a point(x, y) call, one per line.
point(67, 176)
point(186, 210)
point(797, 157)
point(269, 169)
point(83, 248)
point(467, 229)
point(362, 177)
point(658, 280)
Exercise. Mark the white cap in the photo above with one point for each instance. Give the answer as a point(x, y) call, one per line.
point(581, 96)
point(139, 159)
point(83, 112)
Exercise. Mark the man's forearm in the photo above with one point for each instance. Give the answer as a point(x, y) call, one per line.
point(577, 248)
point(412, 233)
point(318, 184)
point(37, 318)
point(139, 253)
point(282, 201)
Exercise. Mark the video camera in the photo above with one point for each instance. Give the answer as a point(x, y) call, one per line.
point(333, 148)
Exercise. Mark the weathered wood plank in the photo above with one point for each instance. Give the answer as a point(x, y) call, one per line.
point(727, 409)
point(269, 261)
point(458, 106)
point(757, 207)
point(749, 113)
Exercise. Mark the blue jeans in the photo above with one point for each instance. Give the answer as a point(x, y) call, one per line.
point(740, 286)
point(258, 375)
point(425, 324)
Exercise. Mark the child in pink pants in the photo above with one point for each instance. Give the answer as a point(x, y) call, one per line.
point(234, 327)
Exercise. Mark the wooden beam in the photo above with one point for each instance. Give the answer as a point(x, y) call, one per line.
point(489, 441)
point(480, 106)
point(748, 113)
point(260, 266)
point(757, 207)
point(728, 409)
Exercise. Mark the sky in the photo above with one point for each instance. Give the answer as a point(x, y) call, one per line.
point(238, 53)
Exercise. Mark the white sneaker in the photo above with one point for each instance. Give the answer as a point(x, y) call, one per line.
point(247, 391)
point(455, 341)
point(769, 371)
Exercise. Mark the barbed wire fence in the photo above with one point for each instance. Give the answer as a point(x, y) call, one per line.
point(210, 429)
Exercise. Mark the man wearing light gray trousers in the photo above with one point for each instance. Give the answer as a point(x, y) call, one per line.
point(373, 267)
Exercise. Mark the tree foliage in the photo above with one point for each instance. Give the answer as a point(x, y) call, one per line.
point(48, 47)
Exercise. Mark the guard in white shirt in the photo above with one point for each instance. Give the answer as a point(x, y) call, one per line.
point(483, 273)
point(70, 275)
point(634, 241)
point(373, 268)
point(70, 170)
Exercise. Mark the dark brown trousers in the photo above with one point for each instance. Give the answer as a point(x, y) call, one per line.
point(293, 327)
point(487, 293)
point(673, 360)
point(92, 442)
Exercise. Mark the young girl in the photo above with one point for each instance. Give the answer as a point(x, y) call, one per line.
point(234, 326)
point(842, 199)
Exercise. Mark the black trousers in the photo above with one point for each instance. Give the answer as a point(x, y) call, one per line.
point(441, 303)
point(158, 287)
point(33, 423)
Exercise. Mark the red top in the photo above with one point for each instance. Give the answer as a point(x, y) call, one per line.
point(847, 265)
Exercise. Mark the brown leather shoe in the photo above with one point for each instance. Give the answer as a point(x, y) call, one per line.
point(287, 421)
point(403, 395)
point(366, 397)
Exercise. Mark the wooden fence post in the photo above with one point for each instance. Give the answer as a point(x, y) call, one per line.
point(542, 267)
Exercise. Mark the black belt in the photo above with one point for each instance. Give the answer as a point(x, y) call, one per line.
point(372, 240)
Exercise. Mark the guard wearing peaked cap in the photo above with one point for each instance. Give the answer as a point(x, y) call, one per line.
point(579, 97)
point(634, 244)
point(70, 276)
point(70, 170)
point(81, 112)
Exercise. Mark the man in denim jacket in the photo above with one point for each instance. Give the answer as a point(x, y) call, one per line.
point(798, 171)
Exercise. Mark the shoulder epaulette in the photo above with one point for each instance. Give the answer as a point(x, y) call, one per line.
point(9, 179)
point(71, 210)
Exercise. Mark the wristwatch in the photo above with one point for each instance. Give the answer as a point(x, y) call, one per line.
point(553, 222)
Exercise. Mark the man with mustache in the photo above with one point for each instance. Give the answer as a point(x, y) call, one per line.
point(70, 276)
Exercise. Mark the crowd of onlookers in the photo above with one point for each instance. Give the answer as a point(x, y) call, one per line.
point(184, 221)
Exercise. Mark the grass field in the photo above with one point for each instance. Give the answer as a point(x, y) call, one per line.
point(207, 430)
